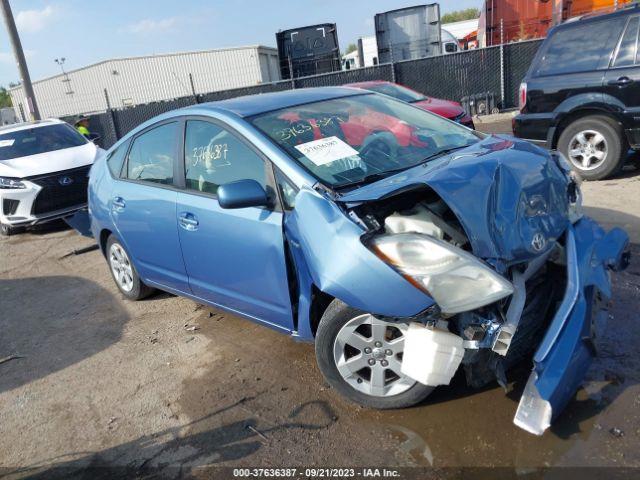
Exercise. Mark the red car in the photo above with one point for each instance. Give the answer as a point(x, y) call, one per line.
point(445, 108)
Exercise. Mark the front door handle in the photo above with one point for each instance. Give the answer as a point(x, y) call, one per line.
point(621, 81)
point(118, 204)
point(188, 221)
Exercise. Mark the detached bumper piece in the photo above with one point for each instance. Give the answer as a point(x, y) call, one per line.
point(80, 221)
point(568, 347)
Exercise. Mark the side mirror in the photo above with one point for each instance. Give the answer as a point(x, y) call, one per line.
point(450, 47)
point(242, 194)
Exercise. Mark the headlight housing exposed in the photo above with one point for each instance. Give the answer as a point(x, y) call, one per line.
point(11, 183)
point(455, 279)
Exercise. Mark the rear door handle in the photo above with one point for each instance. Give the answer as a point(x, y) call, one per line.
point(118, 204)
point(621, 81)
point(188, 221)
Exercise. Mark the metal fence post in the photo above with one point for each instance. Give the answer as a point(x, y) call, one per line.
point(393, 65)
point(193, 89)
point(293, 80)
point(501, 64)
point(112, 116)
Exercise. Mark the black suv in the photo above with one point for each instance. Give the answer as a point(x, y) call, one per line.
point(581, 94)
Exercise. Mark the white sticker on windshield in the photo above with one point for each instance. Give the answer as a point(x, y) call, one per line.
point(326, 150)
point(7, 143)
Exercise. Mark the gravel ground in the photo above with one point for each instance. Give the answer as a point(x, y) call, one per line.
point(172, 386)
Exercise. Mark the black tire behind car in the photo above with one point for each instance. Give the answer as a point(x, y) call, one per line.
point(617, 146)
point(139, 290)
point(334, 318)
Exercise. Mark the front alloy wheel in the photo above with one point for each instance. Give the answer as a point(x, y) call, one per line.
point(360, 355)
point(368, 354)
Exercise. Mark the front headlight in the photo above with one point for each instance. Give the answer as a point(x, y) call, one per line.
point(455, 279)
point(11, 183)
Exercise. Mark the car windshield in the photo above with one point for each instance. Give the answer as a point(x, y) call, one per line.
point(397, 91)
point(32, 141)
point(360, 139)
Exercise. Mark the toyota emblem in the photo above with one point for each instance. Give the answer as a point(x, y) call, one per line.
point(538, 242)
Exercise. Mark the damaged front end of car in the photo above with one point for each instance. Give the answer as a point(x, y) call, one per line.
point(497, 261)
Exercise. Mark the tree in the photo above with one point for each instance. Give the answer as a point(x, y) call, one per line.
point(459, 15)
point(5, 98)
point(352, 47)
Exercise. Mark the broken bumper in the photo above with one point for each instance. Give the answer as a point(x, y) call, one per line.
point(568, 347)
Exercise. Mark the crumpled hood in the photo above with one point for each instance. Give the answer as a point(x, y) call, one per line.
point(444, 108)
point(509, 195)
point(48, 162)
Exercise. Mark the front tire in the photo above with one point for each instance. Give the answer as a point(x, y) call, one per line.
point(124, 273)
point(595, 146)
point(361, 355)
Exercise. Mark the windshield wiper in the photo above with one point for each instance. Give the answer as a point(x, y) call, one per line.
point(444, 151)
point(387, 173)
point(372, 177)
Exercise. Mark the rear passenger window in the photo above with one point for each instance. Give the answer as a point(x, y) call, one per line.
point(628, 45)
point(116, 159)
point(580, 48)
point(153, 155)
point(213, 156)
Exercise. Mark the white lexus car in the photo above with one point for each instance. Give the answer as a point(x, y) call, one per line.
point(44, 169)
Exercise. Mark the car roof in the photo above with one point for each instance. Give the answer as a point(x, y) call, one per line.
point(250, 105)
point(27, 125)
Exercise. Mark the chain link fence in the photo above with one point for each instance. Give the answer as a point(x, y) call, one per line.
point(495, 70)
point(455, 75)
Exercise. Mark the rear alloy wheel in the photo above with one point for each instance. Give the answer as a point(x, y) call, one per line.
point(595, 146)
point(124, 273)
point(360, 355)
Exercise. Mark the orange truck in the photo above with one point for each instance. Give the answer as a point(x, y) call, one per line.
point(528, 19)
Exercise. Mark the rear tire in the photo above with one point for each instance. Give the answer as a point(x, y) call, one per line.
point(595, 146)
point(123, 271)
point(336, 338)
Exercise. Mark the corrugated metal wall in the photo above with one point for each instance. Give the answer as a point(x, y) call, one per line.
point(132, 81)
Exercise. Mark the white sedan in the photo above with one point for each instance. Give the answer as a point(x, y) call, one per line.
point(44, 169)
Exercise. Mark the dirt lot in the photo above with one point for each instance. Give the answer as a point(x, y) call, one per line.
point(106, 382)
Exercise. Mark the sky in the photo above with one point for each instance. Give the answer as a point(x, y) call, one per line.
point(88, 31)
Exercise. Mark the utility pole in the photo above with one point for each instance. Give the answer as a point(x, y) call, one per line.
point(32, 106)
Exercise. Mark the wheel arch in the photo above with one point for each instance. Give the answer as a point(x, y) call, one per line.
point(319, 302)
point(102, 240)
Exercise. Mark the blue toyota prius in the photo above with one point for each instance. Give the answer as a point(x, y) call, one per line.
point(406, 246)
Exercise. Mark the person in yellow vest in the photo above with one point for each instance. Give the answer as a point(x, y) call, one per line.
point(82, 126)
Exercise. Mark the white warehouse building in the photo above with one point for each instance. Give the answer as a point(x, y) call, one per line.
point(134, 80)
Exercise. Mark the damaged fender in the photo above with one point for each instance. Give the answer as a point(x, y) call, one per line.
point(328, 242)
